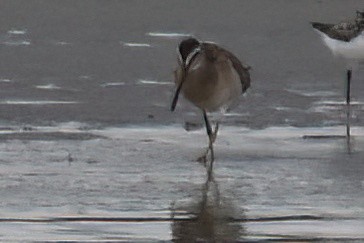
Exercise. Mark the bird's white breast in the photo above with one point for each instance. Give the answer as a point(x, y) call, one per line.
point(353, 49)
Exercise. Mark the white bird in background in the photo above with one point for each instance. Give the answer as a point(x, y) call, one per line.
point(346, 40)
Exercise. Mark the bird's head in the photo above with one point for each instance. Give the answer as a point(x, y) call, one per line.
point(186, 50)
point(186, 47)
point(359, 18)
point(360, 14)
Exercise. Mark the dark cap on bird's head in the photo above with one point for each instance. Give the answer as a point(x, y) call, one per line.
point(186, 47)
point(359, 14)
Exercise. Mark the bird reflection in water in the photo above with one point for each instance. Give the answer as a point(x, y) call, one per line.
point(212, 218)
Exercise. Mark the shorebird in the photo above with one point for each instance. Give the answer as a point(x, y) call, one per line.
point(210, 77)
point(345, 39)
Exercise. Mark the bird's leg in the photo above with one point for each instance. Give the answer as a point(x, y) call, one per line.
point(348, 73)
point(211, 133)
point(212, 137)
point(203, 157)
point(209, 171)
point(348, 112)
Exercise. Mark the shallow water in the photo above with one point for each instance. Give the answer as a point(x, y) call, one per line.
point(90, 151)
point(140, 183)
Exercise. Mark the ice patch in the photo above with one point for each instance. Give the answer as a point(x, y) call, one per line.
point(15, 38)
point(332, 105)
point(168, 34)
point(324, 109)
point(282, 108)
point(5, 80)
point(37, 102)
point(320, 93)
point(233, 114)
point(153, 82)
point(17, 43)
point(112, 84)
point(85, 77)
point(17, 32)
point(62, 43)
point(48, 86)
point(333, 102)
point(132, 44)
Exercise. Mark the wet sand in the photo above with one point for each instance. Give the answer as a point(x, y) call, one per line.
point(89, 150)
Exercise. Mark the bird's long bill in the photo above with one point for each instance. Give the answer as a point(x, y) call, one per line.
point(175, 98)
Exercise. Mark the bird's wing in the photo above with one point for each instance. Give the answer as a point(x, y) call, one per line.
point(343, 31)
point(212, 51)
point(242, 70)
